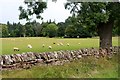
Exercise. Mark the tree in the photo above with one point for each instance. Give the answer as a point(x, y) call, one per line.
point(10, 29)
point(43, 31)
point(37, 28)
point(16, 29)
point(80, 29)
point(0, 30)
point(33, 7)
point(71, 26)
point(29, 29)
point(100, 15)
point(51, 30)
point(22, 31)
point(116, 29)
point(70, 31)
point(4, 30)
point(61, 29)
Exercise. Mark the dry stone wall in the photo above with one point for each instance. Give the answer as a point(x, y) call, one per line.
point(28, 59)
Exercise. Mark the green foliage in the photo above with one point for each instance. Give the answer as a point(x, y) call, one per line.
point(37, 27)
point(86, 17)
point(92, 14)
point(33, 7)
point(80, 29)
point(116, 28)
point(33, 29)
point(0, 31)
point(98, 15)
point(51, 30)
point(3, 30)
point(70, 31)
point(95, 12)
point(16, 29)
point(61, 29)
point(29, 29)
point(43, 31)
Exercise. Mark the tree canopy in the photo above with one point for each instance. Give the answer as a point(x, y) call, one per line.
point(100, 15)
point(51, 30)
point(33, 7)
point(93, 13)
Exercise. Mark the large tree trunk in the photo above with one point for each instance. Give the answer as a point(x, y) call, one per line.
point(105, 33)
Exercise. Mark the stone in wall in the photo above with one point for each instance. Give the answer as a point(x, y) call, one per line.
point(28, 59)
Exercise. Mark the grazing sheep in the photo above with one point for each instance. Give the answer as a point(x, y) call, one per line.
point(43, 45)
point(29, 46)
point(50, 47)
point(16, 49)
point(79, 43)
point(61, 44)
point(68, 44)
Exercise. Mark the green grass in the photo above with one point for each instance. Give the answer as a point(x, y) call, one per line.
point(83, 68)
point(8, 44)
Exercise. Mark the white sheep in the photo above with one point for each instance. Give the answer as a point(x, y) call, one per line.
point(79, 43)
point(68, 44)
point(43, 45)
point(50, 47)
point(61, 44)
point(29, 46)
point(16, 49)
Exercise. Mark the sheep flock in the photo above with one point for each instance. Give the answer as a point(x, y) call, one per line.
point(29, 46)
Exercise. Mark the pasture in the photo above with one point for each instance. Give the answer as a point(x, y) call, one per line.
point(84, 68)
point(37, 44)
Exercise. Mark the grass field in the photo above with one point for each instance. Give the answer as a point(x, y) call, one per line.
point(21, 43)
point(83, 68)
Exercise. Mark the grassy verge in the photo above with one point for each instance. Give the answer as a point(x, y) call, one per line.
point(84, 68)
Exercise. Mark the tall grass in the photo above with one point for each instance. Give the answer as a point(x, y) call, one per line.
point(84, 68)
